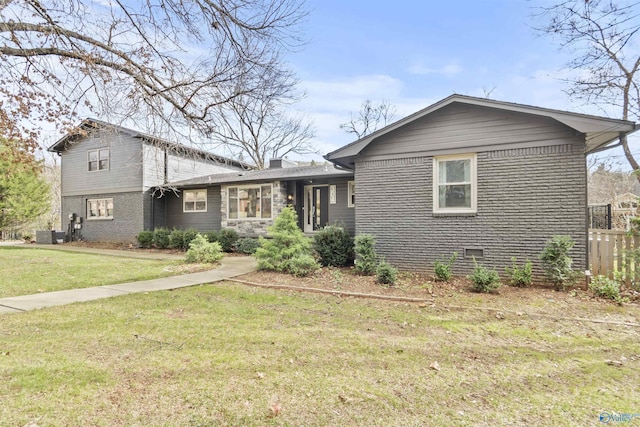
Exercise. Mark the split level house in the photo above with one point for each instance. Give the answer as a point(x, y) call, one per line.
point(488, 180)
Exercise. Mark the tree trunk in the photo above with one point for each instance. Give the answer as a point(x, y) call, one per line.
point(627, 153)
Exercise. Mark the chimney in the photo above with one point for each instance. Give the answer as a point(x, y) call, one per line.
point(281, 163)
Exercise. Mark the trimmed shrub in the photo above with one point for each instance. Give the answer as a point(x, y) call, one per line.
point(189, 235)
point(366, 256)
point(483, 279)
point(247, 246)
point(605, 287)
point(288, 250)
point(387, 274)
point(176, 239)
point(520, 276)
point(227, 238)
point(557, 262)
point(161, 238)
point(442, 269)
point(202, 251)
point(145, 239)
point(303, 265)
point(212, 236)
point(334, 246)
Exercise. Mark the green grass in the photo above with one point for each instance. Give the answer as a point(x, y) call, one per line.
point(223, 354)
point(29, 271)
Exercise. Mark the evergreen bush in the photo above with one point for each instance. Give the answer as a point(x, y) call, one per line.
point(287, 250)
point(247, 246)
point(145, 239)
point(366, 257)
point(161, 238)
point(557, 262)
point(442, 269)
point(334, 246)
point(387, 274)
point(203, 251)
point(212, 236)
point(483, 279)
point(189, 235)
point(227, 239)
point(520, 276)
point(176, 239)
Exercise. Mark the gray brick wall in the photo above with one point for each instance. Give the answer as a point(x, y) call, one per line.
point(127, 219)
point(525, 196)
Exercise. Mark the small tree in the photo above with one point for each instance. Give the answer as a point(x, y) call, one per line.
point(366, 256)
point(287, 250)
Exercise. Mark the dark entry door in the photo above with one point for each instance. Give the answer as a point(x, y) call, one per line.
point(321, 205)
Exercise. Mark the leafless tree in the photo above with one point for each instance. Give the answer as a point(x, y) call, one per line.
point(603, 35)
point(258, 126)
point(171, 59)
point(370, 118)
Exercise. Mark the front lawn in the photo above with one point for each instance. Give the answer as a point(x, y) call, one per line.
point(28, 271)
point(228, 354)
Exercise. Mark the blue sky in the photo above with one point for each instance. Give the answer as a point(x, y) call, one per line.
point(414, 53)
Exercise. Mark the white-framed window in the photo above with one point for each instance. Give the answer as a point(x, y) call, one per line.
point(249, 202)
point(194, 201)
point(455, 184)
point(98, 160)
point(100, 208)
point(351, 194)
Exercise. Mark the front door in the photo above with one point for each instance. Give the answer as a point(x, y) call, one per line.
point(316, 207)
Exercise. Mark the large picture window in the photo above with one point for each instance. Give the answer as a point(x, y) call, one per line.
point(194, 201)
point(99, 208)
point(249, 202)
point(98, 160)
point(454, 184)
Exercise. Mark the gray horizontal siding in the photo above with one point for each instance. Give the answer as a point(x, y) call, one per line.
point(340, 213)
point(525, 196)
point(127, 219)
point(460, 127)
point(201, 221)
point(153, 173)
point(125, 169)
point(182, 168)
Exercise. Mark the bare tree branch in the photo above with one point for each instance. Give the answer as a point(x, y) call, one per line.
point(171, 59)
point(369, 118)
point(603, 35)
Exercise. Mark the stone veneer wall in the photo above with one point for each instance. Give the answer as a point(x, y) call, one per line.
point(254, 227)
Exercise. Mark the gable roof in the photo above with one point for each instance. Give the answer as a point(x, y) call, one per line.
point(275, 174)
point(598, 131)
point(90, 124)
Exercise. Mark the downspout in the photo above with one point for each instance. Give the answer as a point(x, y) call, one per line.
point(587, 271)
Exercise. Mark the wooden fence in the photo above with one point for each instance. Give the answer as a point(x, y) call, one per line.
point(610, 254)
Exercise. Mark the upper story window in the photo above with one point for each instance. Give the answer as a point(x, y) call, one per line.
point(195, 201)
point(98, 160)
point(351, 190)
point(100, 209)
point(249, 202)
point(454, 184)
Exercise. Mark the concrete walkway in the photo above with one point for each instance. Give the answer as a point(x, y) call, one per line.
point(230, 267)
